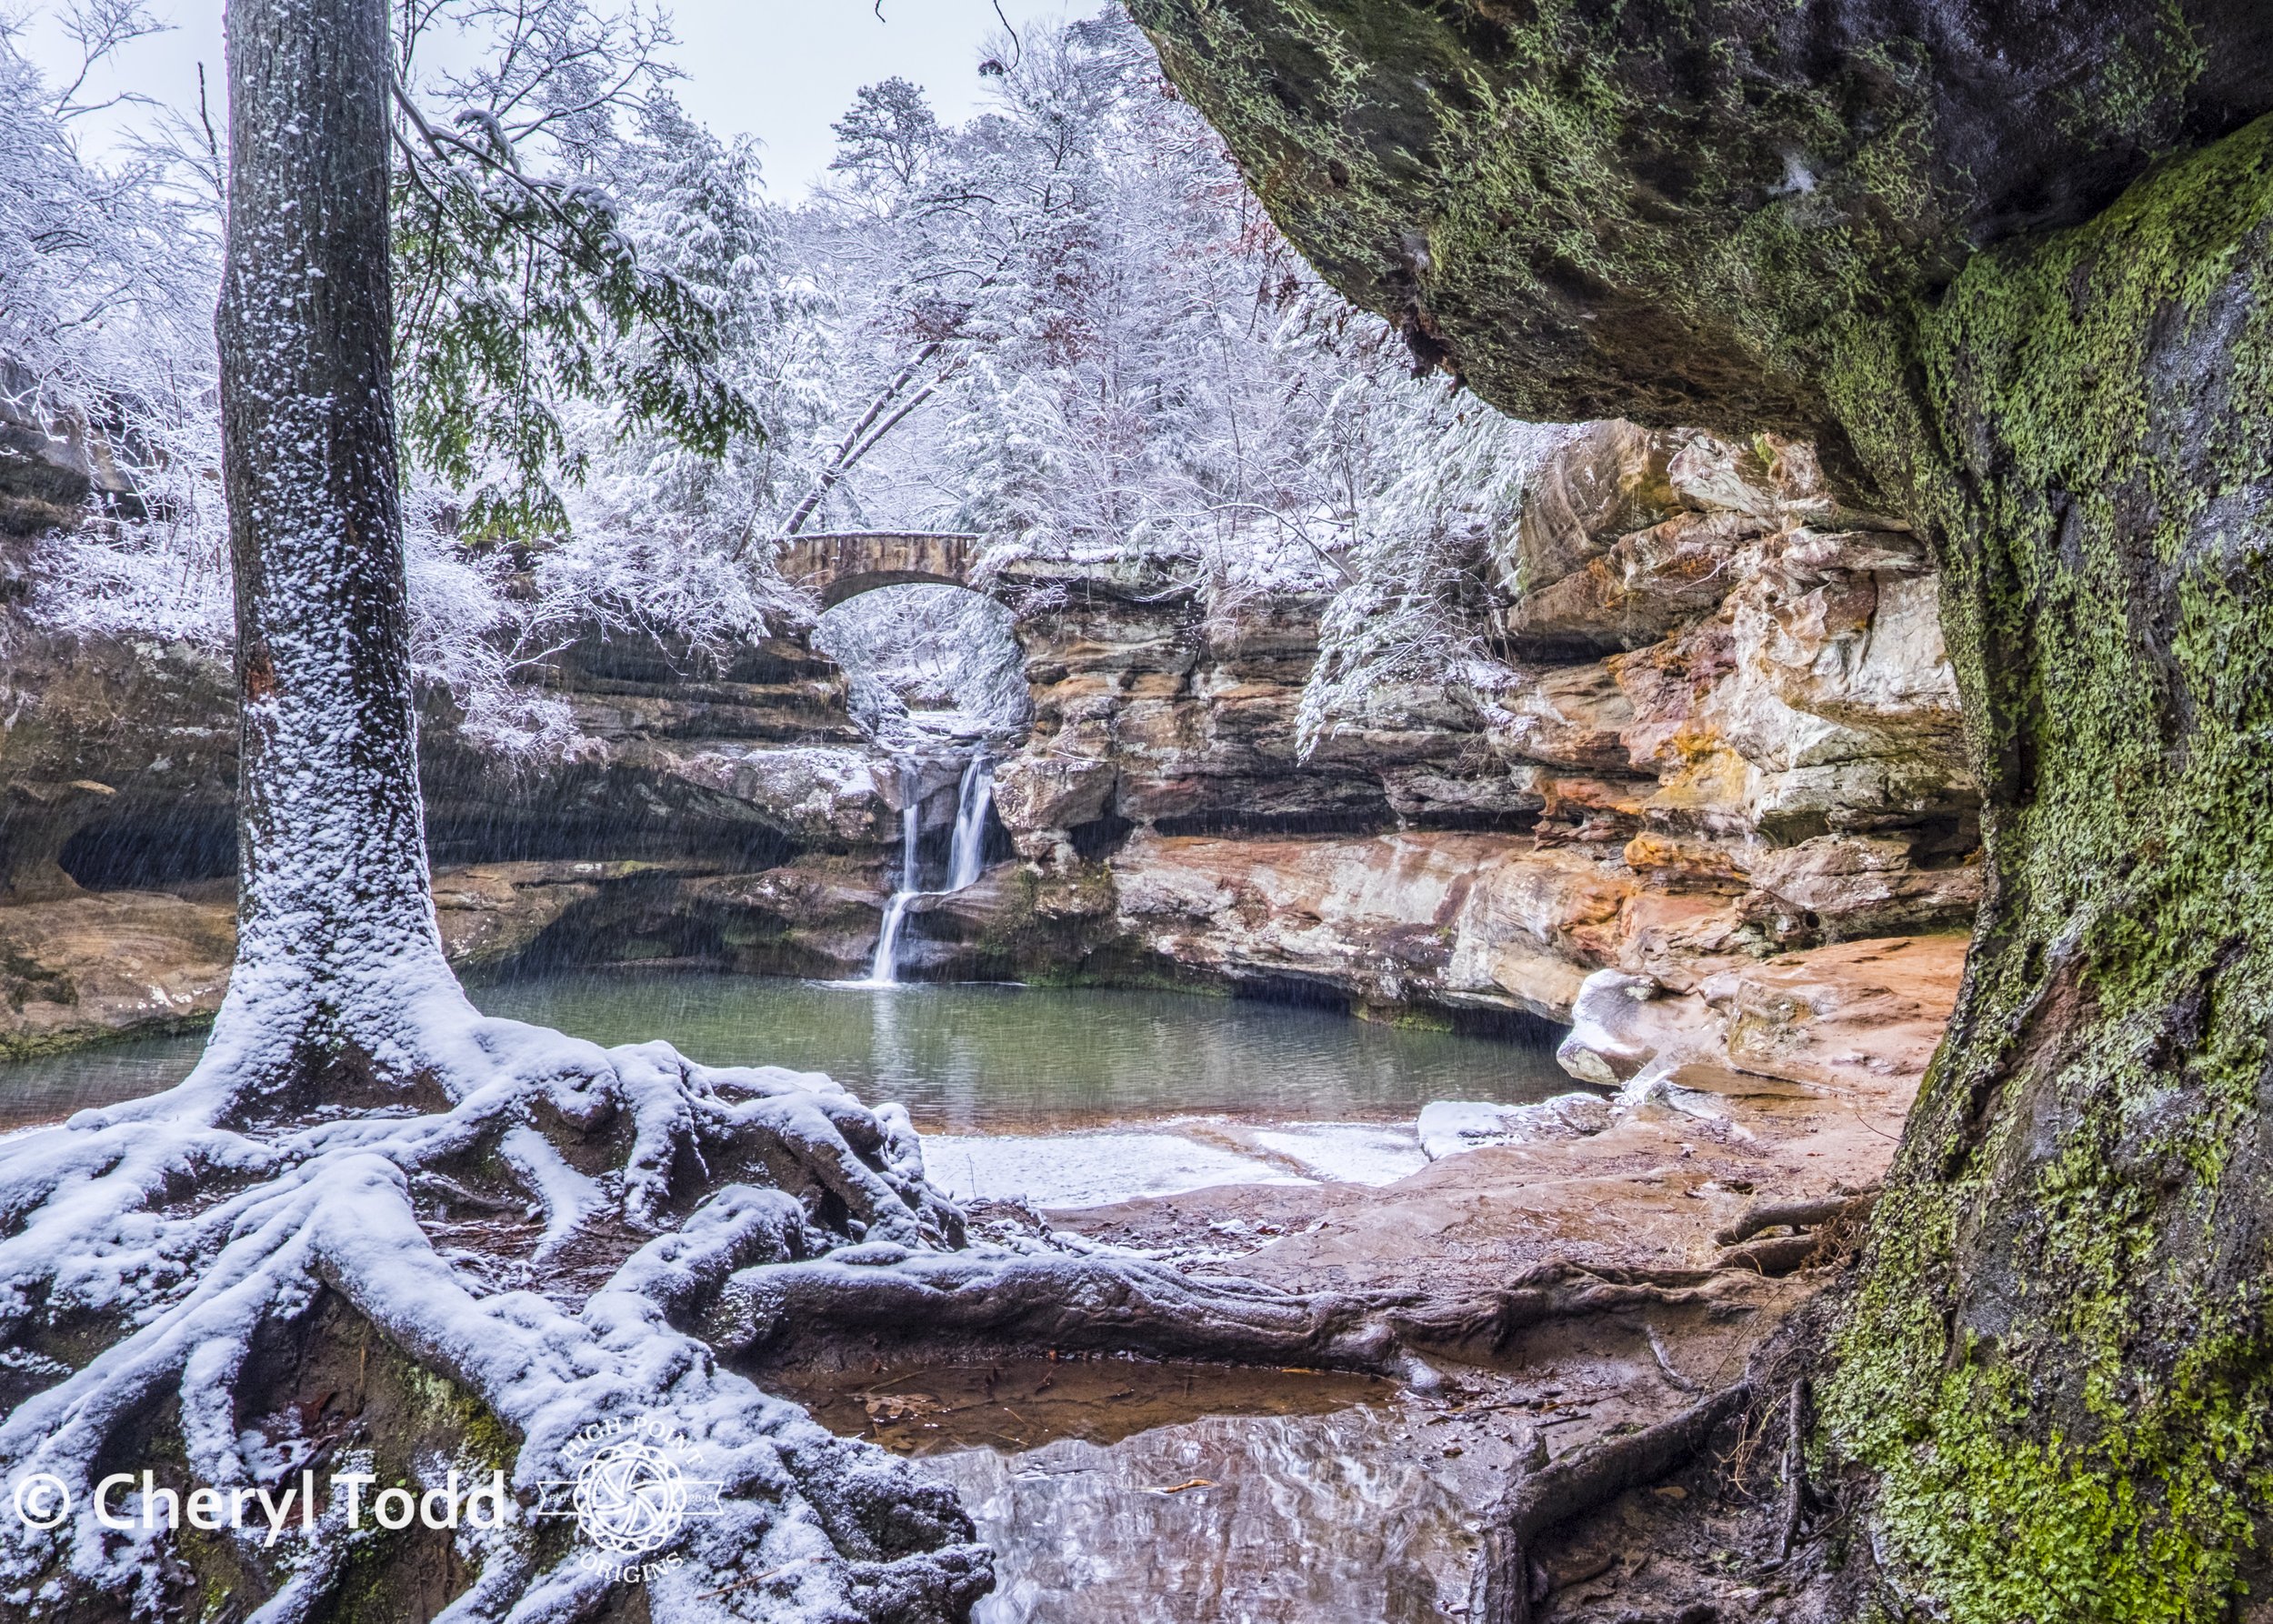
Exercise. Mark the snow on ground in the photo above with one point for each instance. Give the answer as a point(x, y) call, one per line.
point(1349, 1152)
point(1186, 1153)
point(1449, 1127)
point(1087, 1169)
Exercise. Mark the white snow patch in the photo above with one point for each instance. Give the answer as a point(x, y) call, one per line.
point(1449, 1127)
point(1348, 1152)
point(1087, 1169)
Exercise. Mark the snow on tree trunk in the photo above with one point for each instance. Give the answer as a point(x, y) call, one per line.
point(339, 958)
point(377, 1232)
point(324, 1250)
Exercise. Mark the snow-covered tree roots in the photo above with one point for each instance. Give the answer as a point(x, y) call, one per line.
point(483, 1259)
point(483, 1242)
point(499, 1243)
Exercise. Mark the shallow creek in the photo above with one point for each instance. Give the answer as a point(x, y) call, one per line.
point(1112, 1491)
point(1069, 1096)
point(1116, 1492)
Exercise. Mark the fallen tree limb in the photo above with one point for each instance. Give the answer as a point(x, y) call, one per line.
point(1578, 1483)
point(1796, 1215)
point(1794, 1468)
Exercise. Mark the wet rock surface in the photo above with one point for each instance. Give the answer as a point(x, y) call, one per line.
point(1114, 1487)
point(90, 965)
point(77, 968)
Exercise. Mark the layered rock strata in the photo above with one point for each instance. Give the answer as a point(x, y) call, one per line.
point(1728, 730)
point(117, 828)
point(1725, 731)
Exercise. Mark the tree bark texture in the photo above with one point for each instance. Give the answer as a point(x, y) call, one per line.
point(336, 927)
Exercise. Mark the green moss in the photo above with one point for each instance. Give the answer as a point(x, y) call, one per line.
point(2053, 1370)
point(2057, 1369)
point(443, 1408)
point(1048, 926)
point(1474, 170)
point(388, 1573)
point(1411, 1017)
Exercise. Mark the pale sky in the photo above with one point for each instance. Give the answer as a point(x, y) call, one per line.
point(781, 70)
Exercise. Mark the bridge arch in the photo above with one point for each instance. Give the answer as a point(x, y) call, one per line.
point(841, 565)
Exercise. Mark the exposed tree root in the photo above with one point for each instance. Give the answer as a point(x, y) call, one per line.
point(1775, 1256)
point(559, 1234)
point(1046, 1299)
point(1542, 1294)
point(1504, 1591)
point(1060, 1293)
point(1796, 1215)
point(1836, 1222)
point(148, 1252)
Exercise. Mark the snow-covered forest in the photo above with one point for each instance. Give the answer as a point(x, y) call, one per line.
point(628, 375)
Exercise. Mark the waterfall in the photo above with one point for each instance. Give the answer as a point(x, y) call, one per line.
point(966, 857)
point(911, 824)
point(884, 970)
point(969, 852)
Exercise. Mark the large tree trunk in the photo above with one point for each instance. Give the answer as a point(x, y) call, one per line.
point(376, 1229)
point(252, 1274)
point(2057, 1368)
point(338, 953)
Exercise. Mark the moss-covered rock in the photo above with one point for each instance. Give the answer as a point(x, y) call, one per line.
point(2017, 265)
point(1673, 211)
point(2059, 1369)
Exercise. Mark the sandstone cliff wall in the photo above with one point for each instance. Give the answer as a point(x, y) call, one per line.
point(1728, 729)
point(1725, 731)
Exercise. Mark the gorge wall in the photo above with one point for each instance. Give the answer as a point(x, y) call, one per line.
point(2007, 266)
point(1728, 728)
point(1725, 736)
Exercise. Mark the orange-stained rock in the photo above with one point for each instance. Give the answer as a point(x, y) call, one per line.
point(1693, 865)
point(1477, 919)
point(93, 964)
point(1849, 1015)
point(77, 968)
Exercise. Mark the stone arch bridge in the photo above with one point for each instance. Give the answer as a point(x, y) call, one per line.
point(839, 564)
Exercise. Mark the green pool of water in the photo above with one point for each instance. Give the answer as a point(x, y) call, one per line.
point(964, 1059)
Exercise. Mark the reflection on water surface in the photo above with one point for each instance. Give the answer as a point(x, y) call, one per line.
point(1114, 1492)
point(966, 1059)
point(1119, 1492)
